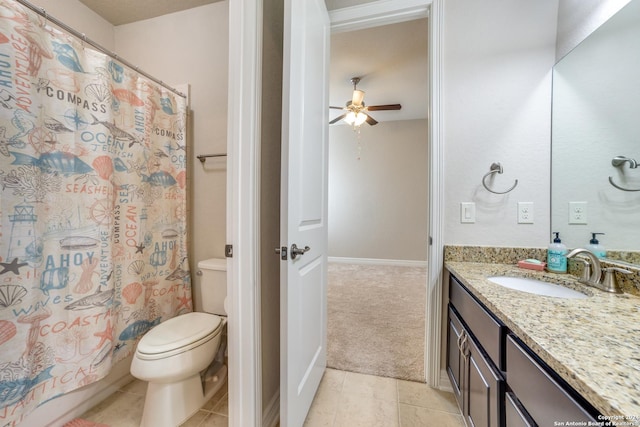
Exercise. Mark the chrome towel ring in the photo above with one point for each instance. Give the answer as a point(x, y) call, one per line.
point(496, 168)
point(618, 162)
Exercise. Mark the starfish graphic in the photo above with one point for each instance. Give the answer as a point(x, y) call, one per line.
point(105, 335)
point(184, 301)
point(13, 266)
point(140, 248)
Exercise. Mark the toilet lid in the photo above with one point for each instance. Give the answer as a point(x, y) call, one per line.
point(180, 331)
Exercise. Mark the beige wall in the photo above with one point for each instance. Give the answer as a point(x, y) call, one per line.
point(378, 194)
point(192, 47)
point(82, 19)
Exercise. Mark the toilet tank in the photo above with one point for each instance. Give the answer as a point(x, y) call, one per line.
point(213, 285)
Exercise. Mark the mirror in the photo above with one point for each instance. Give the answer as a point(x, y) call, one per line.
point(596, 120)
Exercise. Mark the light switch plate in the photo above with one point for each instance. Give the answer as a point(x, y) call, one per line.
point(525, 212)
point(467, 212)
point(577, 212)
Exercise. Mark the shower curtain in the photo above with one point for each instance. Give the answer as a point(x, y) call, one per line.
point(93, 211)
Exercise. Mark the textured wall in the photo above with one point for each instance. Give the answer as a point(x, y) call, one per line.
point(498, 57)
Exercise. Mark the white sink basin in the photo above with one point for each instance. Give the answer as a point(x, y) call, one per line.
point(537, 287)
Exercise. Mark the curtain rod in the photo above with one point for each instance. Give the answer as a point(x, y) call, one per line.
point(42, 12)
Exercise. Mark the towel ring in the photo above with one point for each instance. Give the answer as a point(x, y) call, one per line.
point(618, 162)
point(496, 168)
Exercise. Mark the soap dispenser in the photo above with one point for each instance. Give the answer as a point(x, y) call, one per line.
point(557, 256)
point(595, 247)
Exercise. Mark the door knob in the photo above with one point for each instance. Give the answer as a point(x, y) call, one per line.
point(295, 251)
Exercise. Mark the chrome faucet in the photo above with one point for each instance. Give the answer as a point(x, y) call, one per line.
point(592, 272)
point(592, 279)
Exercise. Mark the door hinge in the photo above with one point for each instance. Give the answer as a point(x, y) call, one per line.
point(228, 251)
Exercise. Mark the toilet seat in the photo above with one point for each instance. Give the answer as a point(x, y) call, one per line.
point(179, 334)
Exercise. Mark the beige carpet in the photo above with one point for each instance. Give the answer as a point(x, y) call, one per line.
point(376, 320)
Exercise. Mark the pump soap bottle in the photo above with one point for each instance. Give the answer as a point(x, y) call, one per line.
point(595, 246)
point(557, 255)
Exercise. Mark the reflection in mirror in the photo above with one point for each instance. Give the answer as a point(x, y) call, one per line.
point(596, 139)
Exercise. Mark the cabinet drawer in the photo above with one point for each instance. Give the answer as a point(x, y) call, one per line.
point(487, 330)
point(543, 397)
point(515, 415)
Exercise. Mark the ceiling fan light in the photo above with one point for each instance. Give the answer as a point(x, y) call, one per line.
point(358, 97)
point(350, 117)
point(360, 119)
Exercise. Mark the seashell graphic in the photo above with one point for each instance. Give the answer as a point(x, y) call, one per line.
point(136, 267)
point(182, 179)
point(131, 292)
point(127, 96)
point(104, 166)
point(119, 165)
point(7, 331)
point(11, 295)
point(99, 91)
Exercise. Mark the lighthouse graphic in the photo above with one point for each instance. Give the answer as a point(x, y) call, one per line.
point(22, 242)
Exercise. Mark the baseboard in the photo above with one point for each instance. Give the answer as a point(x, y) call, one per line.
point(271, 414)
point(378, 261)
point(445, 383)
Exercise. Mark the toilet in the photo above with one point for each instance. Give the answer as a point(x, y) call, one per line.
point(182, 359)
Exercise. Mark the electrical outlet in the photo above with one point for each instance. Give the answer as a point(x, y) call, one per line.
point(577, 212)
point(525, 212)
point(467, 212)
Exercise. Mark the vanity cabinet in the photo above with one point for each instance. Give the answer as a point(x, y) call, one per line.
point(497, 380)
point(538, 391)
point(478, 384)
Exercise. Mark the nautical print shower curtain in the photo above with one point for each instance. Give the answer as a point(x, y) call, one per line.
point(92, 207)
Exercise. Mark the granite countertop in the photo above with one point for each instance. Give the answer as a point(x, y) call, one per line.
point(592, 343)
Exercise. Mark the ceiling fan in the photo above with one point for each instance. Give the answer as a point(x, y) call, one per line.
point(356, 112)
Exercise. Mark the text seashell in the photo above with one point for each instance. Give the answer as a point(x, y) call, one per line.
point(131, 292)
point(11, 295)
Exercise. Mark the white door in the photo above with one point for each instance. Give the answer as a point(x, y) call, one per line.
point(304, 207)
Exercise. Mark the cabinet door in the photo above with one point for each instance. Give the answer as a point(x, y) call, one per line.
point(455, 359)
point(483, 389)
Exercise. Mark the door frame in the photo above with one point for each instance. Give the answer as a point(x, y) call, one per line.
point(243, 148)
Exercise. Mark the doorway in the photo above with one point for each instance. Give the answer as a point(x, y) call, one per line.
point(378, 203)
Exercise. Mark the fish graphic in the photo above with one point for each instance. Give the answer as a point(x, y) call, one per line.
point(64, 163)
point(167, 106)
point(137, 328)
point(56, 125)
point(164, 179)
point(67, 56)
point(116, 131)
point(99, 299)
point(13, 391)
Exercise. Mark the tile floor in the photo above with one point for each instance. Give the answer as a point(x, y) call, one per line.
point(344, 399)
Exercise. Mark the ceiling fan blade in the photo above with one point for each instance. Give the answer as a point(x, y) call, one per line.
point(337, 108)
point(337, 119)
point(384, 107)
point(371, 120)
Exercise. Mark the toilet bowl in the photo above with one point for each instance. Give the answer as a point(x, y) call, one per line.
point(176, 357)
